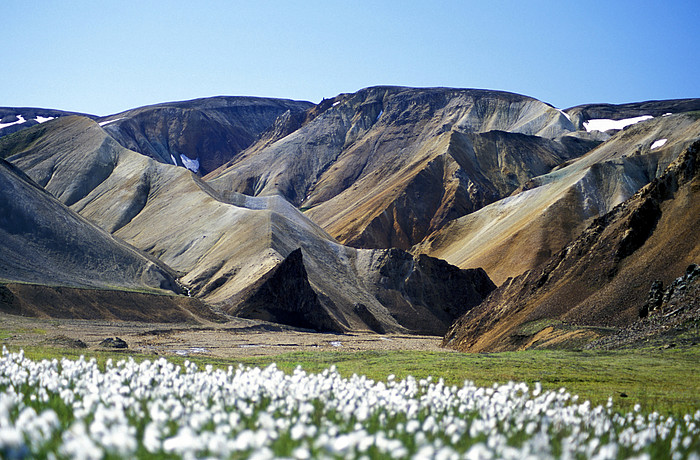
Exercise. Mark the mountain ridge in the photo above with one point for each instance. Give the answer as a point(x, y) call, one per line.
point(361, 140)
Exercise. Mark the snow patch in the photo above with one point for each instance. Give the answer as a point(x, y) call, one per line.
point(335, 103)
point(40, 119)
point(173, 158)
point(192, 165)
point(105, 123)
point(378, 116)
point(667, 114)
point(658, 143)
point(18, 122)
point(604, 124)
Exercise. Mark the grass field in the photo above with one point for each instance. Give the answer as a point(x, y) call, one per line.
point(666, 381)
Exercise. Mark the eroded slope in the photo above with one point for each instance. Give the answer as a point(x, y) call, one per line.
point(201, 134)
point(522, 231)
point(44, 242)
point(602, 278)
point(57, 264)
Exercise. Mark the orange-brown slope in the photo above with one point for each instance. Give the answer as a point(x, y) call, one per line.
point(454, 174)
point(602, 278)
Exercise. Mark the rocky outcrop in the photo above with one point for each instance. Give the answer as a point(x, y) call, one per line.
point(385, 166)
point(201, 134)
point(601, 278)
point(669, 317)
point(422, 293)
point(660, 300)
point(113, 342)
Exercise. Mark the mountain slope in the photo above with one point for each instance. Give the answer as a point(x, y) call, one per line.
point(385, 166)
point(602, 278)
point(522, 231)
point(44, 242)
point(227, 246)
point(201, 134)
point(57, 264)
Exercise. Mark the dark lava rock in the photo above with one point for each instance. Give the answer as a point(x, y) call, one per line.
point(115, 342)
point(286, 297)
point(669, 318)
point(654, 300)
point(426, 294)
point(66, 342)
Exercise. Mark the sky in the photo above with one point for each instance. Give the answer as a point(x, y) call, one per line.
point(105, 57)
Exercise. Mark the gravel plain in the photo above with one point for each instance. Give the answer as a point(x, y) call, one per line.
point(236, 338)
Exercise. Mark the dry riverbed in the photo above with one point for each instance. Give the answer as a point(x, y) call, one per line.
point(237, 338)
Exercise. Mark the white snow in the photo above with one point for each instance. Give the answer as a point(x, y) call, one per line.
point(604, 124)
point(378, 116)
point(667, 114)
point(335, 103)
point(192, 165)
point(105, 123)
point(40, 119)
point(173, 158)
point(658, 143)
point(18, 122)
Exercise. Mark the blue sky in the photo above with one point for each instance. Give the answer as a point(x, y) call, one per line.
point(105, 57)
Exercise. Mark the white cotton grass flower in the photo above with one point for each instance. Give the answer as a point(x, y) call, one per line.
point(187, 412)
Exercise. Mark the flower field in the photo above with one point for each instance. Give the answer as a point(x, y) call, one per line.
point(73, 409)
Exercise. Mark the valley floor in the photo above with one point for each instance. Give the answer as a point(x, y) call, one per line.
point(234, 339)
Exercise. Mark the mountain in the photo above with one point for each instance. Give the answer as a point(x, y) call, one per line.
point(386, 166)
point(582, 114)
point(602, 278)
point(201, 134)
point(393, 210)
point(522, 231)
point(229, 250)
point(13, 119)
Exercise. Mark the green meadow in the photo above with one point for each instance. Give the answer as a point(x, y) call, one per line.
point(662, 380)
